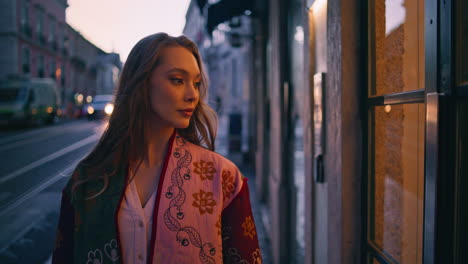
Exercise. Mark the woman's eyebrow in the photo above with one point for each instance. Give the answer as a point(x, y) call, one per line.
point(182, 71)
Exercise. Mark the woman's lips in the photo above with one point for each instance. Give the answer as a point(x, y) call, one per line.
point(187, 112)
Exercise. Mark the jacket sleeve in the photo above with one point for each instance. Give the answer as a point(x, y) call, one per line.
point(239, 234)
point(63, 250)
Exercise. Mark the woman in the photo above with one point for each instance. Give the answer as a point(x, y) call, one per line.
point(153, 190)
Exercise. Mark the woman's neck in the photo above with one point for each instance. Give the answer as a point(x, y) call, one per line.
point(157, 146)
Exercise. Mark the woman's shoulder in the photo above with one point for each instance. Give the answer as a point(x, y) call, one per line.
point(76, 176)
point(81, 185)
point(218, 160)
point(216, 168)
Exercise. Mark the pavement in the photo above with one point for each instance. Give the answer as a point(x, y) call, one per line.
point(221, 146)
point(249, 172)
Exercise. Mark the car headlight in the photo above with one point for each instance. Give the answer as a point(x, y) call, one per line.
point(109, 108)
point(90, 110)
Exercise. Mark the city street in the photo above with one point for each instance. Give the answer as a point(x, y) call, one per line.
point(36, 164)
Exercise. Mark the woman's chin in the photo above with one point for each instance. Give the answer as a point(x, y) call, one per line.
point(182, 125)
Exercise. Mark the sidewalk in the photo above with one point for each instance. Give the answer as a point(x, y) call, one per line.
point(249, 172)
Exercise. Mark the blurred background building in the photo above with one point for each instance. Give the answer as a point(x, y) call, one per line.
point(226, 46)
point(353, 114)
point(36, 41)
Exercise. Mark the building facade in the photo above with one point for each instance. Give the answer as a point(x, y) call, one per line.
point(227, 53)
point(31, 35)
point(360, 128)
point(36, 41)
point(379, 92)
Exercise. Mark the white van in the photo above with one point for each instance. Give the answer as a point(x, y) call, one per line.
point(28, 100)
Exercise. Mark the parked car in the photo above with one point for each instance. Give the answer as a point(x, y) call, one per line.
point(28, 100)
point(100, 107)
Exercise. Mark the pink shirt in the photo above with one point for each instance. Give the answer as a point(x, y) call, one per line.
point(135, 225)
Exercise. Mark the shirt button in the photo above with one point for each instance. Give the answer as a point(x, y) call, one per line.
point(140, 257)
point(140, 223)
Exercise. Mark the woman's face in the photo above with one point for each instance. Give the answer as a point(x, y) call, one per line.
point(174, 87)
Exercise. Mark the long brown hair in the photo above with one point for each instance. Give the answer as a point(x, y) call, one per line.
point(124, 140)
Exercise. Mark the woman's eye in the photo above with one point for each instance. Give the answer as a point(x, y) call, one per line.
point(177, 80)
point(198, 84)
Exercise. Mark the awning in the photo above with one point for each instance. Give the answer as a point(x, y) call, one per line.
point(224, 10)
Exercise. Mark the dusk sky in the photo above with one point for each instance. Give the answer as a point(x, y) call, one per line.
point(117, 25)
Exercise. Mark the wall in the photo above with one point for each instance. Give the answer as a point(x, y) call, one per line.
point(281, 201)
point(335, 48)
point(8, 41)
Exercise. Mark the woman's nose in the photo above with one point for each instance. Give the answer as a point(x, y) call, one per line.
point(191, 93)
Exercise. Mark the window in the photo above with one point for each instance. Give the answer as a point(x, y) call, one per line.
point(59, 36)
point(397, 181)
point(66, 44)
point(397, 46)
point(396, 120)
point(40, 26)
point(52, 33)
point(40, 68)
point(62, 75)
point(234, 76)
point(26, 60)
point(24, 21)
point(52, 68)
point(24, 13)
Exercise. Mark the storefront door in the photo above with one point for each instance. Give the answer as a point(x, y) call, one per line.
point(396, 132)
point(417, 132)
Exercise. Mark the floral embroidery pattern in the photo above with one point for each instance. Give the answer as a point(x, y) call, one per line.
point(232, 256)
point(249, 227)
point(94, 257)
point(111, 250)
point(227, 184)
point(187, 234)
point(257, 257)
point(226, 232)
point(204, 201)
point(204, 169)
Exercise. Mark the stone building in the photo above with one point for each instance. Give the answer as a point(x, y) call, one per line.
point(226, 48)
point(360, 128)
point(36, 41)
point(32, 37)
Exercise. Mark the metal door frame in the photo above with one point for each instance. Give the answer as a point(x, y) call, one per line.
point(439, 138)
